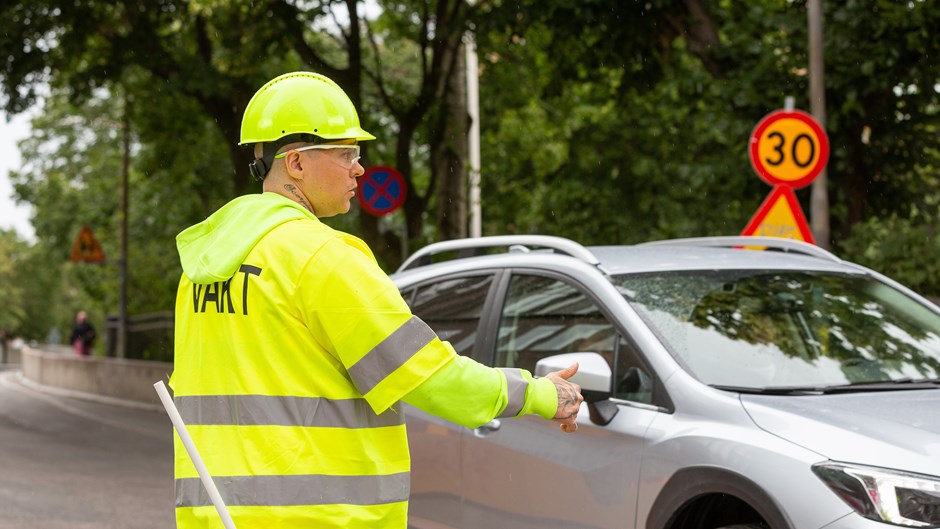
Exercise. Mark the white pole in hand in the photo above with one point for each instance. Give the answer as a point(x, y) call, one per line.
point(194, 454)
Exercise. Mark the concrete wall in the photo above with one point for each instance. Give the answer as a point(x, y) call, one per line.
point(130, 380)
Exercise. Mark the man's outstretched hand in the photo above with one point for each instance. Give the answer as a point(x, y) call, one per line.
point(569, 397)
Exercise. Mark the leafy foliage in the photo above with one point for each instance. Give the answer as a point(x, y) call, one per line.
point(906, 249)
point(12, 293)
point(603, 121)
point(629, 122)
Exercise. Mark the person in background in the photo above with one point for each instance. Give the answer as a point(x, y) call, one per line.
point(83, 335)
point(294, 350)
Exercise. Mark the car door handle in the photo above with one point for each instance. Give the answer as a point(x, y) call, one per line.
point(487, 428)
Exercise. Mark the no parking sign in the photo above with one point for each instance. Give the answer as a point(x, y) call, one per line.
point(381, 190)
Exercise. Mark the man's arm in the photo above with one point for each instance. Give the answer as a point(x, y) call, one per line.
point(471, 394)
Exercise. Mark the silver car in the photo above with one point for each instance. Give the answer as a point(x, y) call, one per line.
point(727, 387)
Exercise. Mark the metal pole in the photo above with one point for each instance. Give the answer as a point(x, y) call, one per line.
point(819, 199)
point(473, 110)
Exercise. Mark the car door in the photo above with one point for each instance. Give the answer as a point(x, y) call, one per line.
point(526, 472)
point(453, 307)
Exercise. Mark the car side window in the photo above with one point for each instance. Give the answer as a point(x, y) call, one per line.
point(633, 380)
point(542, 316)
point(452, 308)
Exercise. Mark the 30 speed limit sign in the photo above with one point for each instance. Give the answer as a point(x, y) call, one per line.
point(789, 148)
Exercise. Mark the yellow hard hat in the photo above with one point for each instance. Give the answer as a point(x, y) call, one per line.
point(301, 103)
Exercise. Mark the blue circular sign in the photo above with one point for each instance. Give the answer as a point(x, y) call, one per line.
point(381, 190)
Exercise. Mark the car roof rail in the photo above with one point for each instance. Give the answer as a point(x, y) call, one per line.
point(733, 241)
point(475, 246)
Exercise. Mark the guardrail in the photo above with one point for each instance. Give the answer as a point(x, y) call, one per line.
point(149, 336)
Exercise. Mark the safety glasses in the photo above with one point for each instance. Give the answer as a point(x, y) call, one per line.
point(347, 157)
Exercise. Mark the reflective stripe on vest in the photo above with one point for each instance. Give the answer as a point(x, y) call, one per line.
point(390, 354)
point(264, 491)
point(516, 387)
point(262, 410)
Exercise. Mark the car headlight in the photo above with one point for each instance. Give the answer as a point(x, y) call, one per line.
point(892, 496)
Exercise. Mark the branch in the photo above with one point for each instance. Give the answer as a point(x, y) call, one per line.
point(294, 38)
point(377, 75)
point(354, 40)
point(694, 23)
point(350, 10)
point(202, 39)
point(430, 77)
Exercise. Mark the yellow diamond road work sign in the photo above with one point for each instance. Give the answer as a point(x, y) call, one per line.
point(86, 248)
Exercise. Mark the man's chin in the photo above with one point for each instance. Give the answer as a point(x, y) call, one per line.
point(341, 211)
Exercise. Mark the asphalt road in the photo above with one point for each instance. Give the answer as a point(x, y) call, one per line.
point(67, 462)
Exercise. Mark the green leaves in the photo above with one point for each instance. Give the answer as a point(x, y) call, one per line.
point(12, 251)
point(605, 121)
point(668, 159)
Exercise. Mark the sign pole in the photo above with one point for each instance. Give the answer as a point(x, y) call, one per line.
point(819, 198)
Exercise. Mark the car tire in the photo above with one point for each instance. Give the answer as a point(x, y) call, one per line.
point(744, 526)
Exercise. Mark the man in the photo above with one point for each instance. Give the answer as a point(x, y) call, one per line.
point(293, 348)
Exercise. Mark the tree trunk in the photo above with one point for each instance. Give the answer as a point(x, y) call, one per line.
point(449, 153)
point(692, 20)
point(414, 203)
point(856, 184)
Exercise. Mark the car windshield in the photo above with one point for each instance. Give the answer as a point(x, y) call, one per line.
point(778, 329)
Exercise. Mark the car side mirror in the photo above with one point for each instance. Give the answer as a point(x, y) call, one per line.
point(593, 376)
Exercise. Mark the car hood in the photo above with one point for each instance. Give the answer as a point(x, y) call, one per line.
point(892, 429)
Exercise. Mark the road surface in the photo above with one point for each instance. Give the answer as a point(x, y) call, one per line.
point(67, 462)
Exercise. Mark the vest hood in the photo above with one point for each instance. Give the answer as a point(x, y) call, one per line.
point(214, 249)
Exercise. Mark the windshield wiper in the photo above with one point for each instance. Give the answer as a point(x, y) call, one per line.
point(884, 385)
point(855, 387)
point(776, 390)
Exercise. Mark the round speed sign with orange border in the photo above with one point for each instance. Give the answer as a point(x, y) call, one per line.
point(788, 148)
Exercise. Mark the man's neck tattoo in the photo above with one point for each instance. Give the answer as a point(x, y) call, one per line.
point(292, 189)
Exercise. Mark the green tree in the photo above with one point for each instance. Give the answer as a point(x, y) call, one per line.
point(640, 113)
point(172, 73)
point(209, 56)
point(11, 294)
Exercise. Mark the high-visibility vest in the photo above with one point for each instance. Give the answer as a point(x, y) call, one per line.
point(287, 376)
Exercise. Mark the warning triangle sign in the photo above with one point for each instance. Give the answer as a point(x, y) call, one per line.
point(780, 216)
point(86, 248)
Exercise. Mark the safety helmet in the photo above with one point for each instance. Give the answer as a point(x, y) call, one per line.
point(301, 103)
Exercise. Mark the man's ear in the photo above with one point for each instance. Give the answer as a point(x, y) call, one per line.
point(293, 164)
